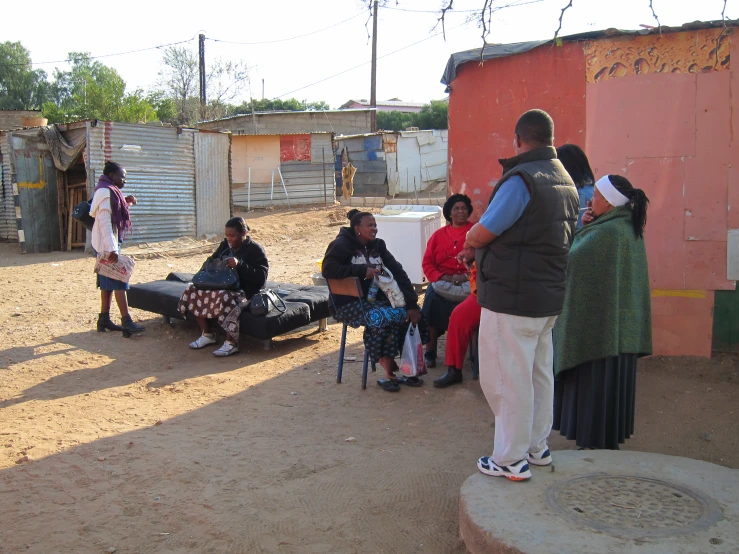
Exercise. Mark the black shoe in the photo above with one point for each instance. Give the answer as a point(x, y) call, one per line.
point(430, 359)
point(451, 377)
point(131, 328)
point(105, 324)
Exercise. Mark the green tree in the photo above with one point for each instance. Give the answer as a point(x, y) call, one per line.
point(395, 120)
point(433, 115)
point(277, 104)
point(165, 107)
point(21, 87)
point(92, 90)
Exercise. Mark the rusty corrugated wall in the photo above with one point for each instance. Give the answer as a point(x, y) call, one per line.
point(160, 162)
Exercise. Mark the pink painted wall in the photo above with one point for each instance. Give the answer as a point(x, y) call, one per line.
point(671, 135)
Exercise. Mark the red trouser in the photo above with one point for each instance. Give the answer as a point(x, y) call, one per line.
point(464, 322)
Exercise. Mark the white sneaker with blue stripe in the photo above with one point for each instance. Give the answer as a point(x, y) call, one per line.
point(541, 458)
point(515, 472)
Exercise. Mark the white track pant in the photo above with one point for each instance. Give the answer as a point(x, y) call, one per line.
point(516, 376)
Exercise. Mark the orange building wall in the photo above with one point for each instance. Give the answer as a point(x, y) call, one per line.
point(659, 110)
point(486, 101)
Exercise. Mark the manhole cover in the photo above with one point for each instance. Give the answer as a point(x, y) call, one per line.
point(632, 507)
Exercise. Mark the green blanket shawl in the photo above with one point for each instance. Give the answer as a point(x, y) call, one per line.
point(607, 309)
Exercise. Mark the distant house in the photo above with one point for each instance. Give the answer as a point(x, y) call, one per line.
point(15, 119)
point(392, 105)
point(344, 122)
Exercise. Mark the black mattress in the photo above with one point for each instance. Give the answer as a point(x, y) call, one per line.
point(304, 305)
point(315, 297)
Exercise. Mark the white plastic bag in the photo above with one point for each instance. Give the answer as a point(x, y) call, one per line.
point(389, 286)
point(412, 362)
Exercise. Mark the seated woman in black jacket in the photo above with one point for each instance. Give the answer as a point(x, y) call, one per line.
point(250, 261)
point(356, 252)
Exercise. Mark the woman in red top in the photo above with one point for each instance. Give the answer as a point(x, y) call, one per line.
point(440, 264)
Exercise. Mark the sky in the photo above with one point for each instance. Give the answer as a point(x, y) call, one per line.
point(323, 65)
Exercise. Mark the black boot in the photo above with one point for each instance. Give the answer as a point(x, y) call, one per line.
point(451, 377)
point(105, 324)
point(430, 358)
point(131, 328)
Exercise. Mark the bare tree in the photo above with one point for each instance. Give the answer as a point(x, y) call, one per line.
point(225, 81)
point(179, 79)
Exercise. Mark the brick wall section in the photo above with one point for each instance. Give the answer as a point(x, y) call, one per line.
point(344, 122)
point(13, 119)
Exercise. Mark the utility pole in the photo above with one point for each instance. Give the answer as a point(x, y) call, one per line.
point(262, 89)
point(373, 85)
point(202, 76)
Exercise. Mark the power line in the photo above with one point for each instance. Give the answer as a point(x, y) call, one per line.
point(368, 62)
point(291, 38)
point(68, 60)
point(453, 11)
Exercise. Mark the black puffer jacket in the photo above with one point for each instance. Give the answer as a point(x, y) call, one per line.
point(347, 257)
point(253, 265)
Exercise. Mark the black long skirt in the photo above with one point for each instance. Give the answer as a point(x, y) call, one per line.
point(437, 310)
point(594, 402)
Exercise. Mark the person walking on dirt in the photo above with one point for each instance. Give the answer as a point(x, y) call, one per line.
point(112, 222)
point(520, 246)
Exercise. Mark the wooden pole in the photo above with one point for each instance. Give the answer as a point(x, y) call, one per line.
point(373, 84)
point(201, 65)
point(325, 194)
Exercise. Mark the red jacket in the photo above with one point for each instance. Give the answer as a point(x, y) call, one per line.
point(440, 257)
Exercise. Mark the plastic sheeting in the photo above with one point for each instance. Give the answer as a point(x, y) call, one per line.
point(64, 150)
point(490, 52)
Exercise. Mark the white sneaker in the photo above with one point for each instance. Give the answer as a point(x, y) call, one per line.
point(227, 349)
point(541, 458)
point(515, 472)
point(203, 340)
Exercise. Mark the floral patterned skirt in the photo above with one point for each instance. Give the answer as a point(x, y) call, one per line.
point(384, 326)
point(222, 305)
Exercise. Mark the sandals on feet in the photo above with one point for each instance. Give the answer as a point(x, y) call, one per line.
point(203, 341)
point(226, 349)
point(409, 381)
point(390, 385)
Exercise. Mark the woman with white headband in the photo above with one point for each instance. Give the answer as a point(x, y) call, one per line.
point(606, 322)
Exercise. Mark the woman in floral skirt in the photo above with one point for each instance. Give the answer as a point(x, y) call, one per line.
point(250, 261)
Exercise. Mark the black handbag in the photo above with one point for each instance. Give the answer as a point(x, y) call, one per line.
point(81, 213)
point(216, 275)
point(265, 301)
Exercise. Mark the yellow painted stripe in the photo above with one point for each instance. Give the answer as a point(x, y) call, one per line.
point(680, 293)
point(39, 185)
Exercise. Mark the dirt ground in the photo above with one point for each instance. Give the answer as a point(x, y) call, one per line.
point(145, 446)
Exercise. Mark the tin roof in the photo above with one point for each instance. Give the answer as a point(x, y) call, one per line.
point(393, 103)
point(493, 51)
point(282, 112)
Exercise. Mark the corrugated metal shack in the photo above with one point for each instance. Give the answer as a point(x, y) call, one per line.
point(180, 178)
point(390, 163)
point(261, 164)
point(8, 228)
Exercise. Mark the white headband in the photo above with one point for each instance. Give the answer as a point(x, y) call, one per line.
point(610, 193)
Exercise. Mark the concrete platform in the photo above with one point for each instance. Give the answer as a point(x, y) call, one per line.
point(607, 502)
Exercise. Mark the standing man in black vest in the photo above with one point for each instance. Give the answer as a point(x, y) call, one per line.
point(520, 246)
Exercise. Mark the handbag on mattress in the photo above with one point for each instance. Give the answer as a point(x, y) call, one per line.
point(216, 275)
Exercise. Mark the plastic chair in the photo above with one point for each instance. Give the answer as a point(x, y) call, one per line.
point(349, 287)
